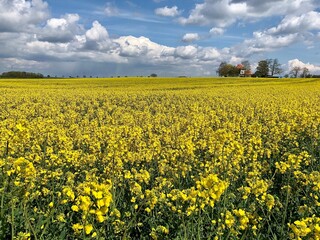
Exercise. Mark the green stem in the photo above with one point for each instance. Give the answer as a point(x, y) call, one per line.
point(28, 221)
point(199, 225)
point(2, 200)
point(12, 220)
point(286, 207)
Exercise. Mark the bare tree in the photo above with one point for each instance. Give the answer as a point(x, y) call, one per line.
point(246, 65)
point(305, 72)
point(295, 71)
point(274, 66)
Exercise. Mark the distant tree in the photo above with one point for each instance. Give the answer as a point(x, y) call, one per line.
point(295, 71)
point(221, 69)
point(228, 70)
point(17, 74)
point(274, 67)
point(305, 72)
point(153, 75)
point(246, 65)
point(262, 69)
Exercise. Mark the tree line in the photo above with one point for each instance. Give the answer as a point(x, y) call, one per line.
point(265, 68)
point(17, 74)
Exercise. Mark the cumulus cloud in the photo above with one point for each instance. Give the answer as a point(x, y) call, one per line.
point(209, 54)
point(294, 24)
point(186, 52)
point(133, 47)
point(222, 13)
point(97, 33)
point(63, 43)
point(20, 15)
point(190, 37)
point(97, 37)
point(46, 51)
point(217, 13)
point(22, 64)
point(216, 31)
point(167, 11)
point(297, 63)
point(291, 30)
point(147, 50)
point(60, 29)
point(262, 42)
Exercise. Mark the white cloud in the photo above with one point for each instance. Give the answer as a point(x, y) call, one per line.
point(217, 13)
point(167, 11)
point(97, 33)
point(294, 24)
point(61, 29)
point(291, 30)
point(297, 63)
point(216, 31)
point(20, 15)
point(222, 13)
point(190, 37)
point(133, 47)
point(186, 52)
point(263, 42)
point(209, 54)
point(63, 44)
point(22, 64)
point(143, 49)
point(46, 50)
point(97, 38)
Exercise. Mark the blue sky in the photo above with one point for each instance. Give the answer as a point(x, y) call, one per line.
point(170, 38)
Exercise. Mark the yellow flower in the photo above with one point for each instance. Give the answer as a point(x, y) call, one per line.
point(24, 236)
point(99, 216)
point(75, 208)
point(85, 203)
point(300, 228)
point(229, 219)
point(88, 228)
point(97, 195)
point(77, 227)
point(61, 218)
point(87, 190)
point(242, 218)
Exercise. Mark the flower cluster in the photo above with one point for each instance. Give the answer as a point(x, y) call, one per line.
point(161, 159)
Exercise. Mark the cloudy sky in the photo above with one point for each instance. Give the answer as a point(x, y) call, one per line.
point(167, 37)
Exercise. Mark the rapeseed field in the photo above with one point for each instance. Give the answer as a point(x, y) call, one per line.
point(160, 158)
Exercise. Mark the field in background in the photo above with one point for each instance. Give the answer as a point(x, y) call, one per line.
point(160, 158)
